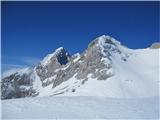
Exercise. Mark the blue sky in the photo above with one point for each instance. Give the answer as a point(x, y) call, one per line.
point(31, 30)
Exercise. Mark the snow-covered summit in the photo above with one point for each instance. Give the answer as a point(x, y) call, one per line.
point(108, 46)
point(107, 39)
point(59, 49)
point(105, 42)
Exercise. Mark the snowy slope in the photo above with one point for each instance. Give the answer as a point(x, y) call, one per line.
point(80, 108)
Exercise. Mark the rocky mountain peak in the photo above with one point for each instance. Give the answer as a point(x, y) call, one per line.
point(61, 55)
point(105, 46)
point(56, 60)
point(104, 40)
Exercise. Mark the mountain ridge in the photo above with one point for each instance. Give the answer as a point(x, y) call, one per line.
point(59, 73)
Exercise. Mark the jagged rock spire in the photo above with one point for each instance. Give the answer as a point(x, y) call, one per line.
point(60, 54)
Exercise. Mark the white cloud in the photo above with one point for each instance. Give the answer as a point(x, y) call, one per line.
point(30, 60)
point(17, 62)
point(6, 67)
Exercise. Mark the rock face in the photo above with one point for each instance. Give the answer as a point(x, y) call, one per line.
point(60, 66)
point(17, 85)
point(48, 66)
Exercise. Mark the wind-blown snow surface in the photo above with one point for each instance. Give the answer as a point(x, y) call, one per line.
point(80, 107)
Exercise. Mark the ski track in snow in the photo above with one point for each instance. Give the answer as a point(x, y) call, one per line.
point(80, 108)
